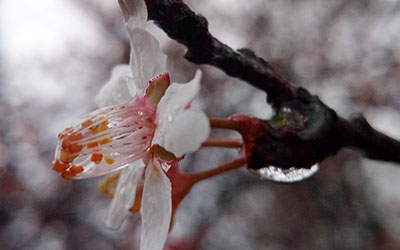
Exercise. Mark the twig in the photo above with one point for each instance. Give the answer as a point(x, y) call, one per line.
point(375, 145)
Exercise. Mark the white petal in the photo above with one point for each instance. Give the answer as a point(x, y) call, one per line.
point(180, 130)
point(124, 194)
point(147, 60)
point(134, 12)
point(184, 133)
point(116, 90)
point(156, 208)
point(177, 97)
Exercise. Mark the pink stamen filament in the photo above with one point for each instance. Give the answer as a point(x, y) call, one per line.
point(184, 181)
point(127, 126)
point(119, 142)
point(235, 164)
point(118, 134)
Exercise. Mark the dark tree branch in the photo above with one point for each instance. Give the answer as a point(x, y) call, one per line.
point(281, 141)
point(183, 25)
point(375, 145)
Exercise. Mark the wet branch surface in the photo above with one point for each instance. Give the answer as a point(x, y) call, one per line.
point(282, 141)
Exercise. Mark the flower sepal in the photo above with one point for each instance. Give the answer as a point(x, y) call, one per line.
point(156, 89)
point(162, 154)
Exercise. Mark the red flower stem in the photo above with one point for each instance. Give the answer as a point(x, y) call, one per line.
point(226, 143)
point(223, 123)
point(217, 171)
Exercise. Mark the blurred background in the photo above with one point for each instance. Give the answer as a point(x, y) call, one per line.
point(56, 55)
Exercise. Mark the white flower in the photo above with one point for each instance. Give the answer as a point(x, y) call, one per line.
point(121, 136)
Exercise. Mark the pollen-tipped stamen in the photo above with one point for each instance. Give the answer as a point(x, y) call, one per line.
point(119, 134)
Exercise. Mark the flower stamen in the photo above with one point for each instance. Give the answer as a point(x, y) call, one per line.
point(107, 139)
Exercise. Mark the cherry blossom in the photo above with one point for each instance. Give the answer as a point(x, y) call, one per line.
point(149, 122)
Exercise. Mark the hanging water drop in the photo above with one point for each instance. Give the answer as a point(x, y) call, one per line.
point(290, 175)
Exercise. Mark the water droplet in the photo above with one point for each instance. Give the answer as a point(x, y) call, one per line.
point(290, 175)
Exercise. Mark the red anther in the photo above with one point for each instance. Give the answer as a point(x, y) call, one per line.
point(70, 138)
point(92, 145)
point(74, 148)
point(60, 167)
point(67, 174)
point(76, 136)
point(96, 158)
point(65, 133)
point(87, 123)
point(66, 142)
point(76, 169)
